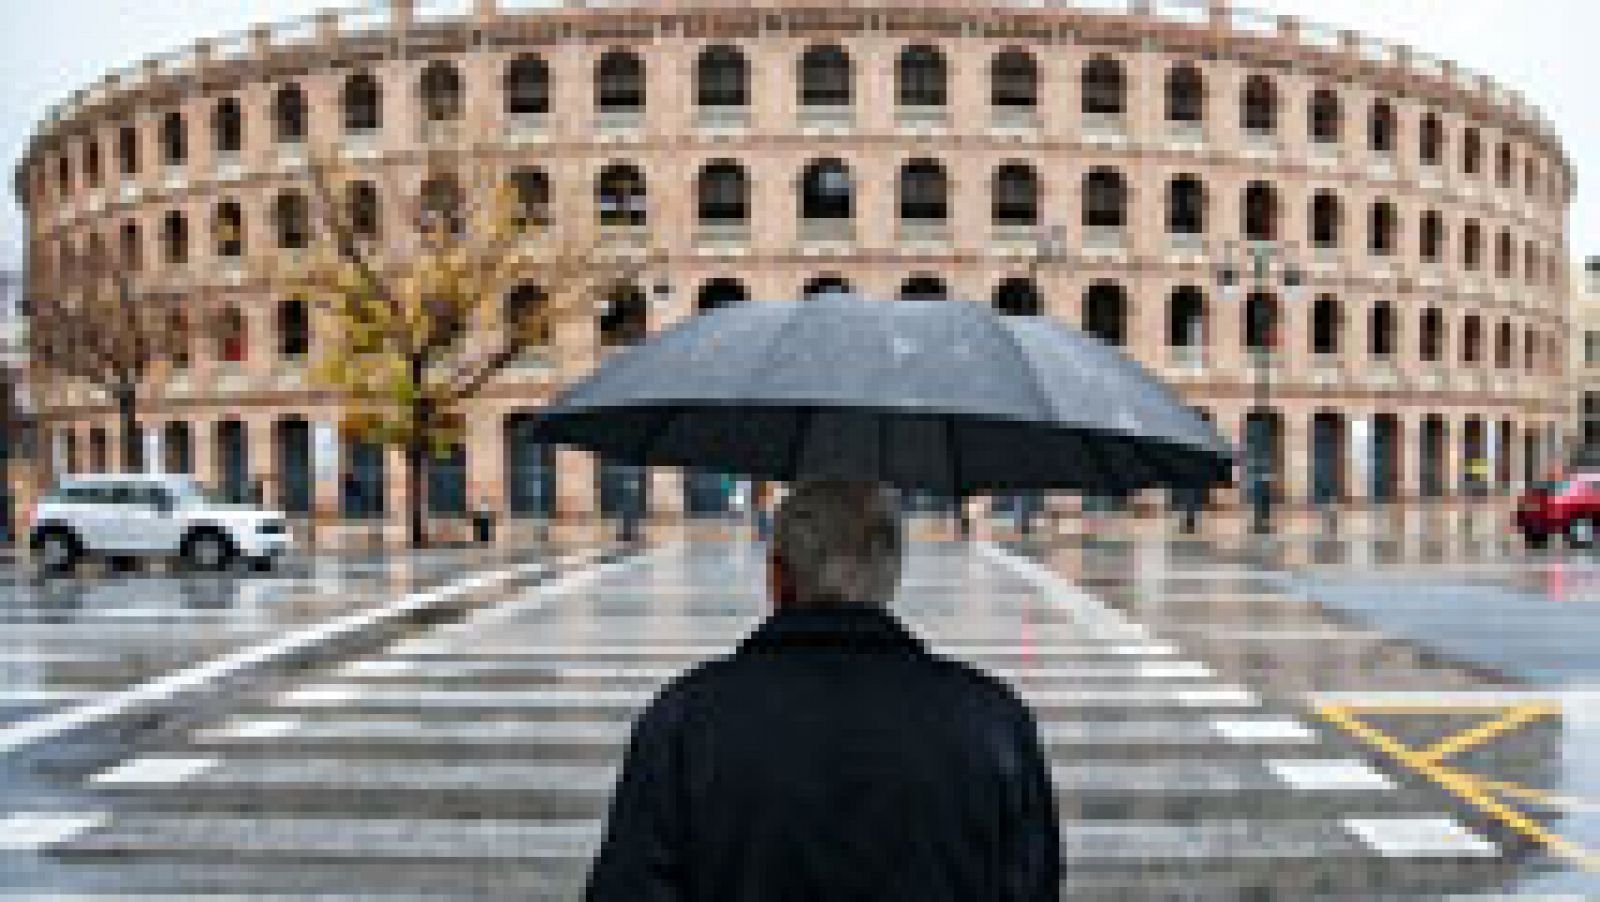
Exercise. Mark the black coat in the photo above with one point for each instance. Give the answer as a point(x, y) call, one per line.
point(832, 758)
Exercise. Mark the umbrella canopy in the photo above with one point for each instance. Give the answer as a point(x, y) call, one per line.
point(944, 396)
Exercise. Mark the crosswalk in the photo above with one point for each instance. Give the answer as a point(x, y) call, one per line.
point(477, 757)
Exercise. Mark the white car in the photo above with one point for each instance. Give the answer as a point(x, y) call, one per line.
point(149, 515)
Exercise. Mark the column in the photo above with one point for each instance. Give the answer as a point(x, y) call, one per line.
point(1409, 426)
point(1296, 457)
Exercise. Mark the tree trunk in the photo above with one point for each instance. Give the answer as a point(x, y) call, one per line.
point(127, 398)
point(416, 461)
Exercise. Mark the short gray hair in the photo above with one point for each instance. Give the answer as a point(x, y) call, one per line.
point(839, 543)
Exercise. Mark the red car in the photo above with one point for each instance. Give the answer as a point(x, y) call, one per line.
point(1569, 507)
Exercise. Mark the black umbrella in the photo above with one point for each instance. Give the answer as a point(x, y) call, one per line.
point(944, 396)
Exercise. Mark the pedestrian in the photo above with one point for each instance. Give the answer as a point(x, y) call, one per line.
point(832, 756)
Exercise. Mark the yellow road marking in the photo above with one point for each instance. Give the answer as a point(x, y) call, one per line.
point(1541, 796)
point(1473, 790)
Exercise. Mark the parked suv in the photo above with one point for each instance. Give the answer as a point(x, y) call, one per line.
point(1566, 507)
point(144, 515)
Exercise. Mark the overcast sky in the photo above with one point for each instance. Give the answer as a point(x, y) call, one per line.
point(1545, 48)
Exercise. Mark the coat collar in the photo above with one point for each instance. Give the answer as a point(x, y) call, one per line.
point(846, 627)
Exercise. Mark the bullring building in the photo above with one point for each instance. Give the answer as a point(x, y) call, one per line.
point(1350, 255)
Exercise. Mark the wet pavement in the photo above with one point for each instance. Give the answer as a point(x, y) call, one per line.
point(1311, 718)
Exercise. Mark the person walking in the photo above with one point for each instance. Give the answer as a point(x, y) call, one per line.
point(832, 756)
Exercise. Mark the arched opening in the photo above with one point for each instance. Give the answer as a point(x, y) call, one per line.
point(227, 229)
point(623, 490)
point(530, 197)
point(132, 247)
point(624, 319)
point(1471, 339)
point(291, 219)
point(175, 237)
point(825, 77)
point(1104, 87)
point(721, 292)
point(1430, 242)
point(923, 287)
point(1018, 297)
point(1327, 457)
point(227, 127)
point(361, 207)
point(1261, 322)
point(1381, 127)
point(128, 150)
point(362, 101)
point(1186, 319)
point(91, 161)
point(177, 448)
point(291, 444)
point(827, 286)
point(1186, 94)
point(1015, 196)
point(722, 78)
point(527, 86)
point(1430, 140)
point(1186, 206)
point(1472, 245)
point(530, 468)
point(921, 77)
point(1502, 165)
point(1105, 312)
point(1105, 199)
point(1503, 255)
point(620, 191)
point(1471, 151)
point(1013, 80)
point(363, 484)
point(289, 115)
point(441, 206)
point(1380, 331)
point(827, 191)
point(1263, 455)
point(232, 337)
point(294, 329)
point(722, 194)
point(1503, 345)
point(99, 451)
point(233, 461)
point(1323, 117)
point(1430, 341)
point(445, 483)
point(619, 83)
point(1433, 446)
point(174, 140)
point(521, 316)
point(924, 192)
point(1259, 112)
point(1381, 229)
point(440, 89)
point(1327, 325)
point(1387, 442)
point(1325, 219)
point(1260, 212)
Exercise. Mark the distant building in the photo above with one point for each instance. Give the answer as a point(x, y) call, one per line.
point(1585, 363)
point(13, 399)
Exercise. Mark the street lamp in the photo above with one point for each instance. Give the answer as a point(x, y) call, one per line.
point(1262, 263)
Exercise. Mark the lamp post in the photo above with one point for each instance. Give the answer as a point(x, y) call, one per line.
point(1263, 264)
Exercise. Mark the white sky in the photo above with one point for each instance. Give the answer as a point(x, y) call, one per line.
point(1545, 48)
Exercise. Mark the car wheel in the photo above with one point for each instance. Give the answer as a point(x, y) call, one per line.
point(57, 551)
point(1581, 532)
point(210, 551)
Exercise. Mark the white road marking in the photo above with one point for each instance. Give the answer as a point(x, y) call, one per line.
point(1263, 731)
point(155, 769)
point(1329, 776)
point(23, 831)
point(1411, 837)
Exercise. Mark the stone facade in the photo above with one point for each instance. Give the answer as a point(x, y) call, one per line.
point(1115, 170)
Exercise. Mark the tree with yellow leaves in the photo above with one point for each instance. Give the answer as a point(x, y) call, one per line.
point(419, 323)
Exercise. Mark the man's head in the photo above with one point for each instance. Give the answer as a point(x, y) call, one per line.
point(834, 543)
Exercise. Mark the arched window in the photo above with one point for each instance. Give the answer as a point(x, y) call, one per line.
point(1431, 239)
point(527, 86)
point(519, 315)
point(722, 192)
point(1325, 219)
point(827, 191)
point(440, 89)
point(1381, 127)
point(619, 82)
point(1018, 297)
point(291, 217)
point(174, 140)
point(620, 191)
point(227, 127)
point(1259, 113)
point(827, 286)
point(363, 103)
point(1186, 94)
point(825, 77)
point(924, 287)
point(1530, 171)
point(1381, 228)
point(1530, 349)
point(1430, 342)
point(1186, 206)
point(1380, 331)
point(361, 208)
point(1105, 312)
point(1105, 199)
point(128, 150)
point(720, 293)
point(64, 175)
point(1104, 89)
point(1013, 80)
point(1260, 321)
point(175, 237)
point(1471, 339)
point(924, 191)
point(1502, 164)
point(624, 321)
point(921, 77)
point(1260, 212)
point(1015, 195)
point(132, 247)
point(294, 328)
point(91, 161)
point(227, 229)
point(441, 206)
point(1503, 255)
point(289, 115)
point(177, 448)
point(1503, 343)
point(1530, 263)
point(1430, 140)
point(1327, 325)
point(530, 195)
point(232, 339)
point(1324, 117)
point(722, 78)
point(1186, 318)
point(1472, 245)
point(1471, 151)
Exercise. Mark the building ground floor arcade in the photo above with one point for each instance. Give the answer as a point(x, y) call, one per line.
point(1305, 451)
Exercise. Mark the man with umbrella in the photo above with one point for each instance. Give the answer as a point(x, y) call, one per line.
point(832, 756)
